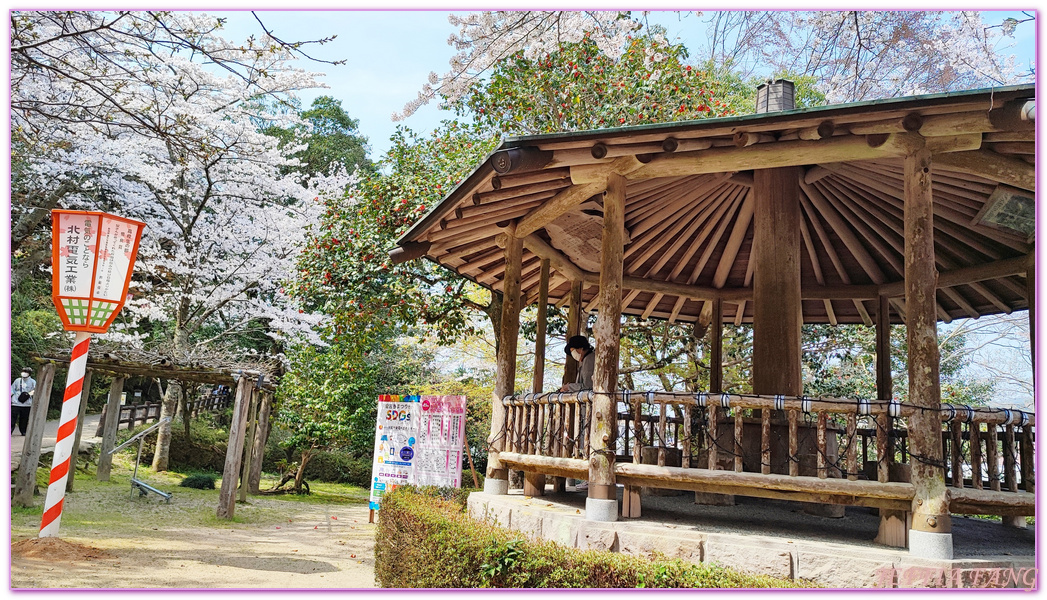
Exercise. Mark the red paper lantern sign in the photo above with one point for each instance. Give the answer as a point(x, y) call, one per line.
point(93, 255)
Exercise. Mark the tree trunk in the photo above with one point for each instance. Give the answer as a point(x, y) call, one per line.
point(163, 437)
point(183, 408)
point(173, 394)
point(299, 477)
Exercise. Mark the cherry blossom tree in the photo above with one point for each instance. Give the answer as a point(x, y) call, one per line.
point(156, 117)
point(853, 55)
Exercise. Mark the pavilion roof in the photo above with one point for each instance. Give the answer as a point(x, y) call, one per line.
point(689, 207)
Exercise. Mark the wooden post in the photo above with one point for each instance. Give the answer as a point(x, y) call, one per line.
point(234, 451)
point(497, 481)
point(249, 444)
point(79, 430)
point(776, 281)
point(715, 387)
point(931, 499)
point(992, 457)
point(1009, 479)
point(884, 381)
point(1030, 296)
point(111, 425)
point(956, 433)
point(553, 417)
point(574, 327)
point(1027, 456)
point(542, 325)
point(852, 447)
point(254, 478)
point(25, 480)
point(974, 430)
point(716, 348)
point(602, 501)
point(794, 443)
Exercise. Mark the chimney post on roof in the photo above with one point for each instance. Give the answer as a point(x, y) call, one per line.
point(775, 95)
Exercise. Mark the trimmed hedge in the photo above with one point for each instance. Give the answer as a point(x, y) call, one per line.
point(427, 541)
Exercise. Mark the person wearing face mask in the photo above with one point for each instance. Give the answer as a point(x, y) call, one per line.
point(579, 347)
point(22, 400)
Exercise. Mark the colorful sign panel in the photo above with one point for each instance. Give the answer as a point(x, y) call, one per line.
point(92, 257)
point(441, 433)
point(418, 440)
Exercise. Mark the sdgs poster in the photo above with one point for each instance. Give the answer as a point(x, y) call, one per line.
point(418, 440)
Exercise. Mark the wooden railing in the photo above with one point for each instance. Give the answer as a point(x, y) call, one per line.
point(133, 415)
point(861, 444)
point(209, 403)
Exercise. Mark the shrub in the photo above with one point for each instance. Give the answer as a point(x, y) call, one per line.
point(199, 481)
point(339, 467)
point(447, 549)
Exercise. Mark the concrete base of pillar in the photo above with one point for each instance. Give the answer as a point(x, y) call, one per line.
point(597, 509)
point(496, 487)
point(1015, 522)
point(923, 544)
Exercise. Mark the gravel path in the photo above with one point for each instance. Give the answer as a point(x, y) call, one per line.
point(144, 543)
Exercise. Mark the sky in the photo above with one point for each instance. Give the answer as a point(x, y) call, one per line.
point(390, 53)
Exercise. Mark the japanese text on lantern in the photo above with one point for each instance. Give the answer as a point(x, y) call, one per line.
point(93, 257)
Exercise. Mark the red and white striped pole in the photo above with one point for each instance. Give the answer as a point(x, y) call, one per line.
point(74, 387)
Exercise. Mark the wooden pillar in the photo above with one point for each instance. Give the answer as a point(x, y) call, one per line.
point(553, 417)
point(777, 313)
point(574, 327)
point(109, 427)
point(497, 480)
point(894, 525)
point(716, 348)
point(235, 450)
point(254, 478)
point(252, 411)
point(602, 503)
point(1030, 296)
point(884, 381)
point(541, 326)
point(931, 500)
point(25, 479)
point(79, 430)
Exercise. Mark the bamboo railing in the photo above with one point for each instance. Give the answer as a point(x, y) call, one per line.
point(862, 445)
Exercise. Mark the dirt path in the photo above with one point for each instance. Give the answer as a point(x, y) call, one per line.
point(277, 544)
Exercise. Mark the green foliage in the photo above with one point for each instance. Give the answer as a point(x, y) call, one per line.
point(840, 362)
point(331, 138)
point(579, 87)
point(340, 467)
point(343, 269)
point(35, 326)
point(329, 396)
point(200, 481)
point(447, 549)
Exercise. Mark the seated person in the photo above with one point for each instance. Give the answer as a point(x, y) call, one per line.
point(579, 347)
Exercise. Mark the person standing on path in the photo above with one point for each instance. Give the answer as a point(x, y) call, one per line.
point(22, 400)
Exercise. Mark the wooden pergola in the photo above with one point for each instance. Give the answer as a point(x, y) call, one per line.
point(909, 210)
point(252, 406)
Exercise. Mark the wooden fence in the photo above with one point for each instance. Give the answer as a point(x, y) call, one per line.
point(833, 450)
point(133, 415)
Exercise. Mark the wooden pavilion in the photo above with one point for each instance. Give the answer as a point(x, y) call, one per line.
point(909, 210)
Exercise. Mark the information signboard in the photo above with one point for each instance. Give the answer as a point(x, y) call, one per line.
point(418, 440)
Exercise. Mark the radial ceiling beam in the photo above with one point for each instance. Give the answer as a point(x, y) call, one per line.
point(988, 164)
point(588, 180)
